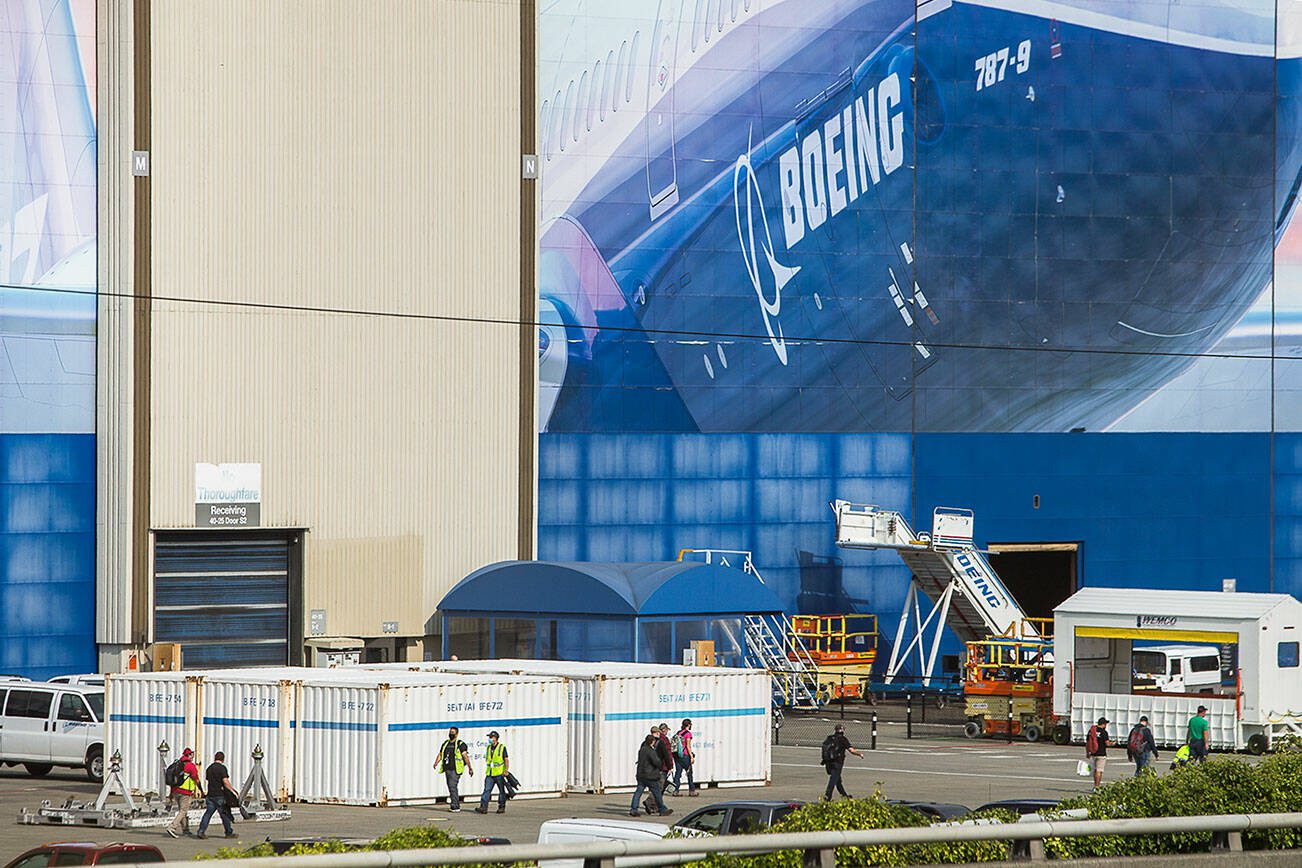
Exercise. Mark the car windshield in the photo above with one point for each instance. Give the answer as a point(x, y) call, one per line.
point(1149, 662)
point(96, 703)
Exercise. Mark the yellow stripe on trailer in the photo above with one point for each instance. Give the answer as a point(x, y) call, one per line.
point(1215, 637)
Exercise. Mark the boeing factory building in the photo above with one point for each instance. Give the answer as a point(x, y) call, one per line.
point(326, 306)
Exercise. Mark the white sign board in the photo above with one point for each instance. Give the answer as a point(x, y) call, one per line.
point(227, 495)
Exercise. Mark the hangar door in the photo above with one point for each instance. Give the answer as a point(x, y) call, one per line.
point(228, 598)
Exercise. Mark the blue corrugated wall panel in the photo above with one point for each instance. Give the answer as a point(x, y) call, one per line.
point(47, 554)
point(1151, 510)
point(645, 496)
point(1288, 513)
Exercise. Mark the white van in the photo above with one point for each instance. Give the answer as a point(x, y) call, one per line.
point(1177, 668)
point(575, 830)
point(45, 725)
point(88, 680)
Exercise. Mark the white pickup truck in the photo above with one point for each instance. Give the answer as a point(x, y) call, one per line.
point(1177, 668)
point(44, 725)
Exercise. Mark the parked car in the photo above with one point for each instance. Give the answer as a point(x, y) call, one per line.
point(578, 830)
point(46, 725)
point(735, 818)
point(89, 679)
point(1022, 806)
point(87, 854)
point(934, 810)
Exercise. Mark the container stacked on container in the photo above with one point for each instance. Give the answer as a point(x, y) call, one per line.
point(612, 707)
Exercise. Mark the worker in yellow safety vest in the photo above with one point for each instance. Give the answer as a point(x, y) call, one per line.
point(454, 761)
point(497, 765)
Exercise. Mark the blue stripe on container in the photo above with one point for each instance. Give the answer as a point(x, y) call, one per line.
point(241, 721)
point(478, 724)
point(146, 718)
point(339, 724)
point(582, 716)
point(692, 713)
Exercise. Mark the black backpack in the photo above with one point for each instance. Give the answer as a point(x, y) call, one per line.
point(175, 774)
point(831, 751)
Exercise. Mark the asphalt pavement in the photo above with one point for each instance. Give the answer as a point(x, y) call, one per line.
point(928, 769)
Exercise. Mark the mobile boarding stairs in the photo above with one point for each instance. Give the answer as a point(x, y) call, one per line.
point(768, 641)
point(947, 569)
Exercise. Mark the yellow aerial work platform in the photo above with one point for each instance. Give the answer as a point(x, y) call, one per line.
point(844, 647)
point(1008, 682)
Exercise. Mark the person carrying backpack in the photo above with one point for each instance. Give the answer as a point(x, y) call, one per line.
point(1096, 749)
point(835, 747)
point(1140, 746)
point(182, 780)
point(684, 758)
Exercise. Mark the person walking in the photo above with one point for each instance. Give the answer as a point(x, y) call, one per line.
point(497, 764)
point(647, 775)
point(219, 794)
point(1140, 746)
point(684, 758)
point(454, 761)
point(664, 751)
point(1096, 749)
point(183, 792)
point(835, 747)
point(1197, 737)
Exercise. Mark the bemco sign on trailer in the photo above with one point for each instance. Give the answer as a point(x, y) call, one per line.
point(143, 710)
point(370, 737)
point(612, 707)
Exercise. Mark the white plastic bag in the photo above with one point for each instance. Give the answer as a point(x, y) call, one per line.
point(1083, 768)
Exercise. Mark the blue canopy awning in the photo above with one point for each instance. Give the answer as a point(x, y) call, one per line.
point(622, 590)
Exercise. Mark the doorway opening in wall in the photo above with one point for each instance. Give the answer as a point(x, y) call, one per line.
point(1038, 575)
point(229, 598)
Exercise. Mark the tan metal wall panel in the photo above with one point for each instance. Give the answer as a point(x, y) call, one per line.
point(354, 156)
point(114, 396)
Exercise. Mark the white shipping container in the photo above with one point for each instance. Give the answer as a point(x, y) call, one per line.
point(730, 710)
point(371, 737)
point(241, 711)
point(142, 710)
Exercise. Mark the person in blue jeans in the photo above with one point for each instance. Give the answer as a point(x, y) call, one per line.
point(1140, 746)
point(648, 777)
point(497, 765)
point(219, 784)
point(684, 758)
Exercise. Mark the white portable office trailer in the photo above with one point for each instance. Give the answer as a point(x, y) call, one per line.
point(1095, 631)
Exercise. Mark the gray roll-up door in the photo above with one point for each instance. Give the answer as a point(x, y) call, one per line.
point(226, 601)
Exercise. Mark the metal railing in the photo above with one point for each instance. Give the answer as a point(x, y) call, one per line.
point(819, 848)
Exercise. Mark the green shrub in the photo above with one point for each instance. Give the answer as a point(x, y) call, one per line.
point(263, 849)
point(870, 813)
point(1225, 785)
point(410, 838)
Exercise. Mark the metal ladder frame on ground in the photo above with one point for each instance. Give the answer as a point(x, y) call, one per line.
point(770, 638)
point(947, 568)
point(151, 811)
